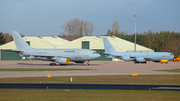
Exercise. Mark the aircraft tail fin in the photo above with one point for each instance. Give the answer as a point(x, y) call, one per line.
point(19, 41)
point(107, 46)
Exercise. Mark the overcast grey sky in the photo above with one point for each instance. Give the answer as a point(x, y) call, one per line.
point(45, 17)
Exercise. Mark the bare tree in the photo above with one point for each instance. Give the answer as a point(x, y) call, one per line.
point(77, 28)
point(115, 27)
point(115, 30)
point(7, 37)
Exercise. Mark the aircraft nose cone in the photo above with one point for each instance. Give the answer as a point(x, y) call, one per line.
point(99, 55)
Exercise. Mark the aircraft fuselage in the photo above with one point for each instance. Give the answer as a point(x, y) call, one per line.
point(71, 54)
point(154, 56)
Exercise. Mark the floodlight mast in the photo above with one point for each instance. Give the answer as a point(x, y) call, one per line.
point(135, 34)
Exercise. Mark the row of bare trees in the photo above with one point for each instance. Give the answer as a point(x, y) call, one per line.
point(5, 38)
point(158, 41)
point(163, 41)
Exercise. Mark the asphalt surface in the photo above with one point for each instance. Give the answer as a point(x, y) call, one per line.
point(99, 68)
point(90, 86)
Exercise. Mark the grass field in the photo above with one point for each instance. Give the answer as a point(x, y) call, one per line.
point(39, 69)
point(169, 70)
point(86, 95)
point(92, 95)
point(108, 79)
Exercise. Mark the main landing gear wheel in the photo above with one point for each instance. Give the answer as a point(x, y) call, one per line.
point(143, 62)
point(52, 64)
point(135, 62)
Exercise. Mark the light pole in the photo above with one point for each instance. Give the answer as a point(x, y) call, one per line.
point(135, 34)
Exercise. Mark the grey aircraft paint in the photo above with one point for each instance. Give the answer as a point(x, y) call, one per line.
point(61, 56)
point(137, 57)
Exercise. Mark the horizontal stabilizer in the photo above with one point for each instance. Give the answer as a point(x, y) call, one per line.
point(15, 50)
point(104, 53)
point(30, 57)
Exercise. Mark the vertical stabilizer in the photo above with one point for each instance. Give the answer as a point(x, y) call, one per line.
point(19, 41)
point(107, 46)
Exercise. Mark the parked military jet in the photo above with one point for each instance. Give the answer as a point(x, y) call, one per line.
point(137, 57)
point(61, 56)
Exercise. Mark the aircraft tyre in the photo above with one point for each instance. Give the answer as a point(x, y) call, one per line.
point(143, 62)
point(135, 62)
point(52, 64)
point(165, 63)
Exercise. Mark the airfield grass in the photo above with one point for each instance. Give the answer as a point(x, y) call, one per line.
point(86, 95)
point(92, 95)
point(169, 70)
point(104, 79)
point(39, 69)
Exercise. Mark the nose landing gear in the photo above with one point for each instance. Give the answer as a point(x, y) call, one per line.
point(87, 63)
